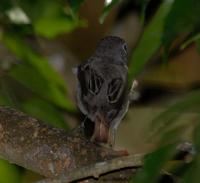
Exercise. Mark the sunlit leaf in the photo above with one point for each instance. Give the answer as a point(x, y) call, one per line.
point(9, 173)
point(17, 16)
point(150, 40)
point(44, 111)
point(183, 18)
point(109, 4)
point(34, 81)
point(153, 163)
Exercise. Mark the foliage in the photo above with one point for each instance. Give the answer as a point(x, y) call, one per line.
point(179, 21)
point(29, 82)
point(20, 20)
point(9, 173)
point(173, 19)
point(150, 40)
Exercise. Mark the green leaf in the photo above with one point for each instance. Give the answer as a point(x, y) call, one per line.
point(168, 118)
point(173, 135)
point(44, 111)
point(150, 41)
point(153, 163)
point(143, 4)
point(49, 18)
point(192, 39)
point(37, 83)
point(109, 4)
point(192, 174)
point(9, 173)
point(24, 52)
point(40, 65)
point(183, 18)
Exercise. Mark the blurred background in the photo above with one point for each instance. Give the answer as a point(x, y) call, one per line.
point(41, 41)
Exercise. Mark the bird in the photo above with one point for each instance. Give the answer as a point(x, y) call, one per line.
point(102, 91)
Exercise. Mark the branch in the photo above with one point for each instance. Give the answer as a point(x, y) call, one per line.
point(97, 169)
point(52, 152)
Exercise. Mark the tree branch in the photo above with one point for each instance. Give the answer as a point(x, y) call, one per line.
point(52, 152)
point(97, 169)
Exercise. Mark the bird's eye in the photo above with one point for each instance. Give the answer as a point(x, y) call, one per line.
point(124, 48)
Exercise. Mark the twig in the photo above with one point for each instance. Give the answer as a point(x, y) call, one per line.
point(98, 169)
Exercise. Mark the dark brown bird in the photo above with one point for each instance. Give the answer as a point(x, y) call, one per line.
point(102, 92)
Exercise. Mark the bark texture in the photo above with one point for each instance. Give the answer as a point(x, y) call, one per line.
point(46, 150)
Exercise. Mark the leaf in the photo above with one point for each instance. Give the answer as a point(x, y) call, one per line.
point(44, 111)
point(183, 18)
point(153, 163)
point(37, 83)
point(40, 65)
point(49, 18)
point(150, 41)
point(26, 54)
point(17, 16)
point(109, 4)
point(168, 118)
point(143, 4)
point(174, 135)
point(192, 174)
point(9, 173)
point(192, 39)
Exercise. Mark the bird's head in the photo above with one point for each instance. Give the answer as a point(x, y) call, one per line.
point(113, 47)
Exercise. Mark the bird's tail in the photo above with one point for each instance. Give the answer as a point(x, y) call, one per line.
point(101, 130)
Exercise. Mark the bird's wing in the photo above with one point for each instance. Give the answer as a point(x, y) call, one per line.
point(90, 81)
point(95, 82)
point(114, 90)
